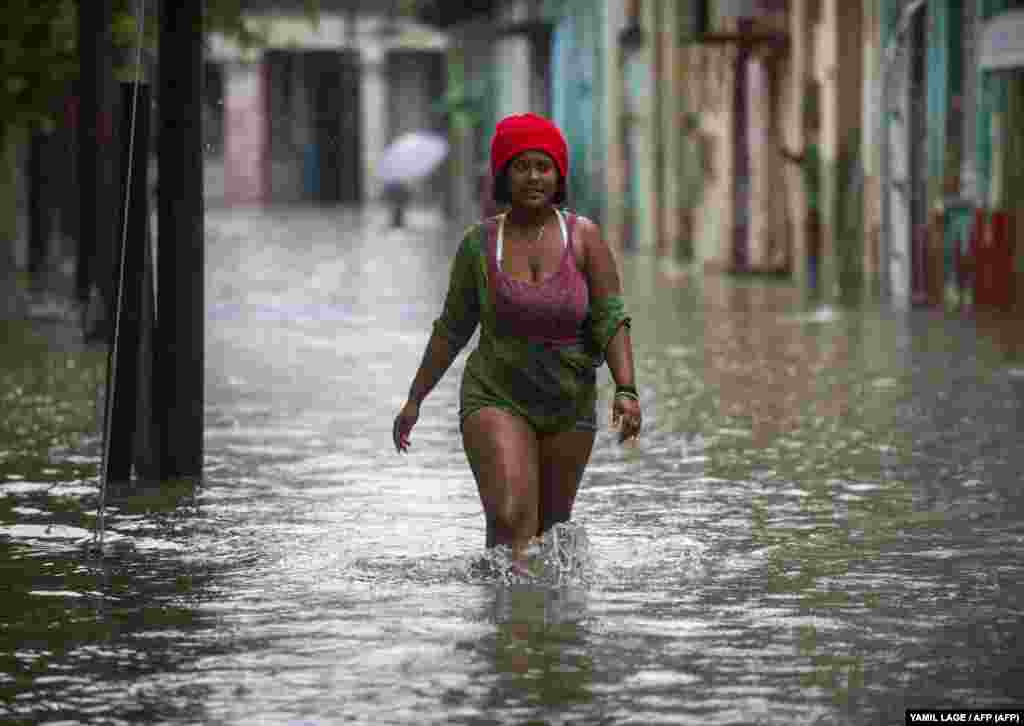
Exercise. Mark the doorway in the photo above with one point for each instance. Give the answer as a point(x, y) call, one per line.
point(334, 104)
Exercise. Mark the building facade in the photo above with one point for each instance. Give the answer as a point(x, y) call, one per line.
point(546, 57)
point(307, 115)
point(951, 74)
point(862, 149)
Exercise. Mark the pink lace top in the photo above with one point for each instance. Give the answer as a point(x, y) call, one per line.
point(551, 311)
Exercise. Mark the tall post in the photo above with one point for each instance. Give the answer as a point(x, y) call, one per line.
point(178, 348)
point(741, 131)
point(129, 260)
point(94, 19)
point(842, 270)
point(655, 20)
point(801, 44)
point(614, 212)
point(374, 93)
point(38, 229)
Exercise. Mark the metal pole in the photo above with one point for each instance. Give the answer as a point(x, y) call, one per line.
point(120, 368)
point(178, 348)
point(38, 227)
point(94, 17)
point(131, 242)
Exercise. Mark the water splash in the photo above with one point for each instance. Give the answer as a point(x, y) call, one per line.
point(561, 556)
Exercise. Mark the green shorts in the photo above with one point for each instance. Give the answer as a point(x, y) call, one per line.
point(476, 394)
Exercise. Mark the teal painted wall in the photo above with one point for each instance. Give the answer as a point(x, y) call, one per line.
point(471, 99)
point(578, 104)
point(889, 16)
point(937, 93)
point(992, 98)
point(944, 57)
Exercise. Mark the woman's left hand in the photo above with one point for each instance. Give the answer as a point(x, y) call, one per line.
point(626, 416)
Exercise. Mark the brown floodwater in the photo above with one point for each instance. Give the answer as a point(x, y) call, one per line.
point(822, 524)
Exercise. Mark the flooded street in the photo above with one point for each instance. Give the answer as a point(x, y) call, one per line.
point(823, 522)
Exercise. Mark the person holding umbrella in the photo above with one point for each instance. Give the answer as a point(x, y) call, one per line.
point(544, 287)
point(408, 159)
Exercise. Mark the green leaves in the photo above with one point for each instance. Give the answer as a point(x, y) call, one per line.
point(38, 55)
point(48, 397)
point(39, 47)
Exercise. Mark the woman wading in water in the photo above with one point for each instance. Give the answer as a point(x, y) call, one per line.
point(544, 287)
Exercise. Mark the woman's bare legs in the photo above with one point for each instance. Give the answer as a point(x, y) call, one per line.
point(526, 483)
point(563, 457)
point(502, 450)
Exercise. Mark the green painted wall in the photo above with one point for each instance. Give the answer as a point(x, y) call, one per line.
point(578, 104)
point(889, 16)
point(945, 73)
point(992, 99)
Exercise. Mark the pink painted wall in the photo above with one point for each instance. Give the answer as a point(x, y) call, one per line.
point(245, 135)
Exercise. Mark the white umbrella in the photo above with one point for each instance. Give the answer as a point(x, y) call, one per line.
point(411, 156)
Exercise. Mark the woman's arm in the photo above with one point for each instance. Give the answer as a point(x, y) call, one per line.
point(453, 329)
point(603, 276)
point(450, 333)
point(620, 357)
point(437, 359)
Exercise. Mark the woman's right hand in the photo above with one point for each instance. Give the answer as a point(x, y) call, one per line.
point(404, 422)
point(627, 418)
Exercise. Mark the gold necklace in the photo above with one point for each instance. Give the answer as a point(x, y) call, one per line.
point(540, 232)
point(533, 260)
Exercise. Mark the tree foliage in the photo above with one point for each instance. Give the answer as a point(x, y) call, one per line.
point(39, 47)
point(38, 54)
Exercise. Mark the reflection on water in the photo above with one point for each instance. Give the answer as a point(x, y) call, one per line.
point(822, 525)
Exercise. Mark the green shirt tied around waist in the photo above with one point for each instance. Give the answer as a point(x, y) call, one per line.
point(551, 387)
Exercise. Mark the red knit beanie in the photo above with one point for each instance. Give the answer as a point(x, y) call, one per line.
point(525, 132)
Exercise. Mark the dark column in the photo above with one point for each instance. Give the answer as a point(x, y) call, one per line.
point(38, 227)
point(129, 269)
point(69, 179)
point(741, 166)
point(178, 348)
point(94, 18)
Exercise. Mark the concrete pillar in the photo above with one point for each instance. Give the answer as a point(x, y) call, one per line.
point(842, 101)
point(613, 19)
point(826, 60)
point(646, 138)
point(762, 196)
point(794, 135)
point(375, 114)
point(513, 60)
point(671, 127)
point(871, 146)
point(718, 223)
point(245, 133)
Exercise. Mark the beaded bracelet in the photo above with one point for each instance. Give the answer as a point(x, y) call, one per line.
point(626, 392)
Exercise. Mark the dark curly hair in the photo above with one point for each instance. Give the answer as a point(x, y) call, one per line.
point(500, 189)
